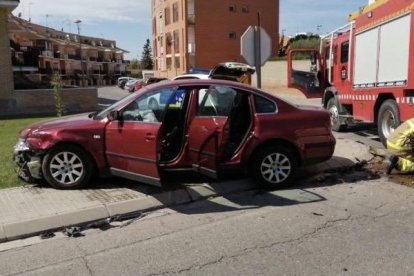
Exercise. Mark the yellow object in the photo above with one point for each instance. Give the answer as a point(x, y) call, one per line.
point(405, 165)
point(401, 144)
point(366, 9)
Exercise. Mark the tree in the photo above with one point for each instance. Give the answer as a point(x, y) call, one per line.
point(135, 64)
point(146, 59)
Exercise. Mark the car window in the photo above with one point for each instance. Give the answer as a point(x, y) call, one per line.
point(148, 108)
point(264, 105)
point(216, 101)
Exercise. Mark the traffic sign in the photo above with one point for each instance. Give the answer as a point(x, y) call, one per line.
point(248, 45)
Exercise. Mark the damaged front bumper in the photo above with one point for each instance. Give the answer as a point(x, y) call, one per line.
point(29, 163)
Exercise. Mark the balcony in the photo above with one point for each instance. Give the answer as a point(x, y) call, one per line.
point(190, 19)
point(48, 53)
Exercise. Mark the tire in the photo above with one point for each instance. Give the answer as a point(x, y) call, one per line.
point(333, 108)
point(153, 104)
point(67, 167)
point(388, 119)
point(274, 167)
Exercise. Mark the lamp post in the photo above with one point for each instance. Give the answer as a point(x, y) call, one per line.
point(77, 22)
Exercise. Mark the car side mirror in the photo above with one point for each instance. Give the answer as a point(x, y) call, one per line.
point(114, 115)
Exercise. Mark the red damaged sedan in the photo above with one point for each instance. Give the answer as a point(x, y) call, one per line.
point(208, 126)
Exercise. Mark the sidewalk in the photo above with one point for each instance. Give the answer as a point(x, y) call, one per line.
point(30, 210)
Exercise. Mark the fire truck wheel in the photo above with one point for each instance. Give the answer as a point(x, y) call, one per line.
point(388, 119)
point(333, 108)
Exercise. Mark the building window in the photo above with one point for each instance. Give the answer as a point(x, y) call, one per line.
point(176, 38)
point(167, 15)
point(177, 62)
point(232, 35)
point(169, 63)
point(245, 9)
point(175, 12)
point(232, 8)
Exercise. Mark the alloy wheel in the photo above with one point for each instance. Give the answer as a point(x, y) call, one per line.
point(275, 168)
point(66, 168)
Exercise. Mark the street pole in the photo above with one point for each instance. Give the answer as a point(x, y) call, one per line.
point(77, 22)
point(258, 59)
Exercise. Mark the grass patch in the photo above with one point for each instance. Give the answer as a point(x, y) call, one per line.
point(9, 133)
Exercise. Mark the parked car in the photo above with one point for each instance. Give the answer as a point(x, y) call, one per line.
point(207, 126)
point(234, 71)
point(191, 77)
point(130, 85)
point(154, 80)
point(138, 85)
point(122, 81)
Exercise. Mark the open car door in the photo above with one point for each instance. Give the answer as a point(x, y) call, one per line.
point(133, 138)
point(305, 72)
point(209, 129)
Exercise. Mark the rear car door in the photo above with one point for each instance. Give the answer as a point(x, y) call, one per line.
point(133, 138)
point(209, 129)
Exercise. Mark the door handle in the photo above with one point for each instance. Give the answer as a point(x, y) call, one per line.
point(149, 136)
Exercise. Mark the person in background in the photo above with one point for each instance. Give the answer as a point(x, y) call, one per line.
point(400, 144)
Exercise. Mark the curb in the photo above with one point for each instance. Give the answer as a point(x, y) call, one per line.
point(59, 221)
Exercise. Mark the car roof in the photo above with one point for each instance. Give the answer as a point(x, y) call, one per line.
point(210, 82)
point(191, 76)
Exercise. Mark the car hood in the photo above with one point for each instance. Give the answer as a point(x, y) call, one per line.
point(66, 122)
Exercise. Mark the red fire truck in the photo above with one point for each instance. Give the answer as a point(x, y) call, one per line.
point(363, 71)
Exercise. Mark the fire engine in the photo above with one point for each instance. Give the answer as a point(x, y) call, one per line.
point(363, 71)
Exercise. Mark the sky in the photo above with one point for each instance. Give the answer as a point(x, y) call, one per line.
point(128, 22)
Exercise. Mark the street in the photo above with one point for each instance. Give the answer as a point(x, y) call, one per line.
point(352, 222)
point(361, 228)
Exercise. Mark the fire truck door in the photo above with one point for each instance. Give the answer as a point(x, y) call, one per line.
point(304, 72)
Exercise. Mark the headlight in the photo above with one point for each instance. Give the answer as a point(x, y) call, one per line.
point(21, 145)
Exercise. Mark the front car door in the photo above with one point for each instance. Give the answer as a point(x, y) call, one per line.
point(208, 130)
point(305, 72)
point(133, 138)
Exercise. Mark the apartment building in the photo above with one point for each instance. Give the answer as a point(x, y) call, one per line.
point(39, 51)
point(6, 76)
point(190, 34)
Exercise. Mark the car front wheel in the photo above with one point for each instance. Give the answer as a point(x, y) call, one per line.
point(67, 167)
point(274, 167)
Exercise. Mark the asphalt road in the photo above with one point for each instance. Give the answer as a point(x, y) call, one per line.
point(361, 228)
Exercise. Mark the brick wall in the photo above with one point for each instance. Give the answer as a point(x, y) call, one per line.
point(212, 29)
point(36, 102)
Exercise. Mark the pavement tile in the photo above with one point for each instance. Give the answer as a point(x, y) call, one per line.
point(79, 216)
point(22, 228)
point(201, 191)
point(132, 205)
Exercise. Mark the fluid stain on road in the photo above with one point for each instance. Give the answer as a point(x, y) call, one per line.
point(378, 165)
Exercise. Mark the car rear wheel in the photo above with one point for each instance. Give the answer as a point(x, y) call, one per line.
point(67, 167)
point(274, 167)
